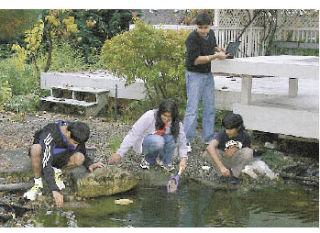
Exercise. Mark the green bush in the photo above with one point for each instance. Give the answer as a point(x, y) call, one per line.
point(276, 160)
point(64, 58)
point(22, 103)
point(5, 92)
point(95, 26)
point(5, 51)
point(22, 78)
point(154, 55)
point(17, 87)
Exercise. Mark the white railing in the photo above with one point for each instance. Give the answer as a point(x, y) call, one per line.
point(250, 40)
point(252, 43)
point(310, 35)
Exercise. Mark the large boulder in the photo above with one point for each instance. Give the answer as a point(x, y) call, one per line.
point(104, 182)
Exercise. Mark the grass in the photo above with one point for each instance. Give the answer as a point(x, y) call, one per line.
point(114, 143)
point(276, 159)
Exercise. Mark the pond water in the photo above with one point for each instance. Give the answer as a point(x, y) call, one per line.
point(196, 205)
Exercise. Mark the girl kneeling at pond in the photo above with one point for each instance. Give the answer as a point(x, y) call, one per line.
point(231, 148)
point(156, 134)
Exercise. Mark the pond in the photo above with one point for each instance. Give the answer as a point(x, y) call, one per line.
point(196, 205)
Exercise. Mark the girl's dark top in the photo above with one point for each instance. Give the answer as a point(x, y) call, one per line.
point(199, 46)
point(223, 139)
point(53, 142)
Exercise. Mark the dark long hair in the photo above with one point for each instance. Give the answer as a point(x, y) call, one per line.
point(169, 105)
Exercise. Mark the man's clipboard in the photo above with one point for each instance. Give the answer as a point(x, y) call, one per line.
point(232, 49)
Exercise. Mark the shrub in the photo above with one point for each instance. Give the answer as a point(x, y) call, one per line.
point(154, 55)
point(22, 78)
point(95, 26)
point(5, 93)
point(22, 103)
point(64, 58)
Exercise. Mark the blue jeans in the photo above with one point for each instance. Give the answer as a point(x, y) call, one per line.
point(154, 145)
point(199, 86)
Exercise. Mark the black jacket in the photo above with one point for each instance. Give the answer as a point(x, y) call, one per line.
point(198, 46)
point(51, 138)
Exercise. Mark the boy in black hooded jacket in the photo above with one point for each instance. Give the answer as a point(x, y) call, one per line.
point(58, 145)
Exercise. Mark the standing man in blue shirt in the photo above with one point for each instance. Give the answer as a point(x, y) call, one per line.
point(201, 50)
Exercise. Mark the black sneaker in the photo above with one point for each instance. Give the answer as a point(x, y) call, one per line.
point(223, 179)
point(233, 179)
point(189, 149)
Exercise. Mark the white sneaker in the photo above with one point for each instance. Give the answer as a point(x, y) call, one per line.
point(144, 164)
point(57, 178)
point(32, 193)
point(188, 148)
point(169, 167)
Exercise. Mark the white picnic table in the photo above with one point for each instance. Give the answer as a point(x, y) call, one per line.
point(291, 67)
point(274, 117)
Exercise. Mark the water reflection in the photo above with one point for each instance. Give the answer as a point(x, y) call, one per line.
point(196, 205)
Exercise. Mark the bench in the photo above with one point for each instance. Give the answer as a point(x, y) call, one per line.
point(92, 100)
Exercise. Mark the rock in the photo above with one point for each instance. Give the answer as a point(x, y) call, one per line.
point(8, 211)
point(206, 168)
point(15, 162)
point(15, 186)
point(269, 145)
point(105, 181)
point(301, 170)
point(260, 167)
point(123, 202)
point(249, 171)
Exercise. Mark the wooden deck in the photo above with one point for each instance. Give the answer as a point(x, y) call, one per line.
point(286, 102)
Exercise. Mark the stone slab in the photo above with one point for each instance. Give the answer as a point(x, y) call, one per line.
point(15, 161)
point(268, 118)
point(304, 67)
point(95, 79)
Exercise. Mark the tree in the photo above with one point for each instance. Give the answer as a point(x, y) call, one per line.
point(14, 22)
point(95, 26)
point(59, 25)
point(156, 56)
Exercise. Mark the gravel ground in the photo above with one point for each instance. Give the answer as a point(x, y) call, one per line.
point(16, 132)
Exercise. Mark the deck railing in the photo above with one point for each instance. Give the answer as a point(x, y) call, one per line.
point(252, 40)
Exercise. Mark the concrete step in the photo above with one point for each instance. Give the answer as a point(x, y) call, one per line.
point(68, 101)
point(82, 89)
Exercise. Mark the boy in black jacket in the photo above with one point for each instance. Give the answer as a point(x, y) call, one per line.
point(231, 148)
point(58, 145)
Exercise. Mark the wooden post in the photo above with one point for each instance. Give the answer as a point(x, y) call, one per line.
point(116, 103)
point(250, 37)
point(246, 85)
point(216, 17)
point(293, 87)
